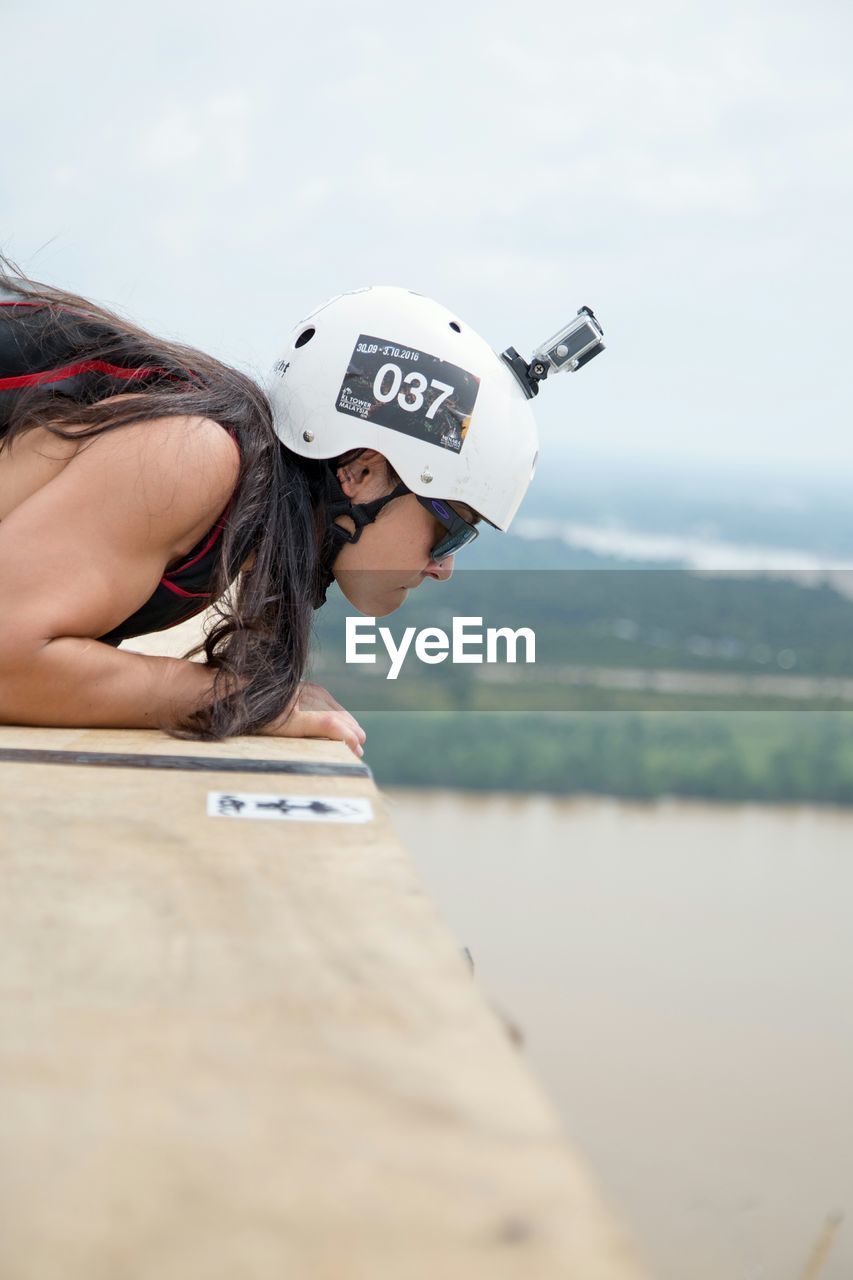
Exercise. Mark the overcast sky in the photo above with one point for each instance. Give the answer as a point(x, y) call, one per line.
point(215, 170)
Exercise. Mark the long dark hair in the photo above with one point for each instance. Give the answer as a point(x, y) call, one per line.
point(258, 643)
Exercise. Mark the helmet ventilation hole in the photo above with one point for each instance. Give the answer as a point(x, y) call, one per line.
point(305, 336)
point(455, 327)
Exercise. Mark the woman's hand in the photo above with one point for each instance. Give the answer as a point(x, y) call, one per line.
point(314, 713)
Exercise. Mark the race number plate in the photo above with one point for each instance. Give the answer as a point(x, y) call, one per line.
point(409, 391)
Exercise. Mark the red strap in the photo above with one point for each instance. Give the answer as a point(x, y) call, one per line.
point(187, 595)
point(71, 370)
point(212, 539)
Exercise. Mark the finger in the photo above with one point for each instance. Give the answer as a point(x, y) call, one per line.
point(318, 692)
point(324, 724)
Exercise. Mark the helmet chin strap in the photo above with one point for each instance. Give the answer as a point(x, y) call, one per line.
point(336, 536)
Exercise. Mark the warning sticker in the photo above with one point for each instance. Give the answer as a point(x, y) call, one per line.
point(242, 804)
point(409, 391)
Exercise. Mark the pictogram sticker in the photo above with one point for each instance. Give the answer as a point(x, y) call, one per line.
point(245, 804)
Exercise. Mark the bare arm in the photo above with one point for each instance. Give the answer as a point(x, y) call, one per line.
point(85, 551)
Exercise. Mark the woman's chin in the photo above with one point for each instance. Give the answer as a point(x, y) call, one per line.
point(391, 602)
point(380, 606)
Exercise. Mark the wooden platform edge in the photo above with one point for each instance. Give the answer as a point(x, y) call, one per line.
point(234, 1047)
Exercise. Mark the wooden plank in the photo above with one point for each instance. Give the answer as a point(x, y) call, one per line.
point(239, 1048)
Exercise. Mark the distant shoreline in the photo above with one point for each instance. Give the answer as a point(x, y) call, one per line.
point(613, 539)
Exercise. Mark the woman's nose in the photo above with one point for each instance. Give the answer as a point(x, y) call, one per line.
point(441, 570)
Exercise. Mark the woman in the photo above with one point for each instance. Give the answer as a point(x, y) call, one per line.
point(382, 400)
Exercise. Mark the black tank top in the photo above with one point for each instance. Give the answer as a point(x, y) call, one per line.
point(32, 352)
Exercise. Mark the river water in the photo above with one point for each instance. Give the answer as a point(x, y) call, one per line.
point(682, 975)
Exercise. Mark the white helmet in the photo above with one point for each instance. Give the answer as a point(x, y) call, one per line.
point(387, 369)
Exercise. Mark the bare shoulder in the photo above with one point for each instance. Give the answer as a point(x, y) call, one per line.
point(179, 472)
point(88, 546)
point(174, 444)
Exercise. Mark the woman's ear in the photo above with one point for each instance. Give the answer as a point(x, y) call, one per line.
point(365, 477)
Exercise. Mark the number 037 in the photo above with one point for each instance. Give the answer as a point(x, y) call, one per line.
point(414, 384)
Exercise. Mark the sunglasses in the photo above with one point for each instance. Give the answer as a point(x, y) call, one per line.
point(459, 531)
